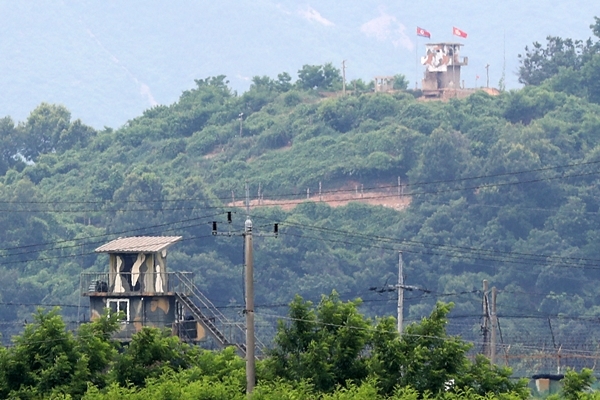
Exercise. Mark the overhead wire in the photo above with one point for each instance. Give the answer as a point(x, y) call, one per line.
point(107, 234)
point(83, 254)
point(11, 303)
point(412, 241)
point(78, 245)
point(406, 334)
point(334, 191)
point(466, 256)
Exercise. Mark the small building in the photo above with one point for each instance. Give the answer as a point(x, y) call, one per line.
point(139, 284)
point(442, 68)
point(384, 83)
point(546, 384)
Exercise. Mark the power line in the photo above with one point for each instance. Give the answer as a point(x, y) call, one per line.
point(417, 184)
point(10, 303)
point(410, 241)
point(490, 255)
point(104, 235)
point(444, 338)
point(459, 256)
point(82, 254)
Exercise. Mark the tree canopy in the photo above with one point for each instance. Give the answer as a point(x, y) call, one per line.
point(322, 351)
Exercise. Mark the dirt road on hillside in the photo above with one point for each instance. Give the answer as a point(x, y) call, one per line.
point(387, 197)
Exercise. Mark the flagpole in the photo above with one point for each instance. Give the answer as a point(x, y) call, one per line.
point(454, 67)
point(417, 63)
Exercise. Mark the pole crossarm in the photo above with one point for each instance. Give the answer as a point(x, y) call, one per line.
point(247, 234)
point(393, 288)
point(400, 287)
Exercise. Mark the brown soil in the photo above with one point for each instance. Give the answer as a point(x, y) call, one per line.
point(214, 153)
point(387, 197)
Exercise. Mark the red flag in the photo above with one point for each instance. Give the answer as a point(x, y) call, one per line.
point(458, 32)
point(423, 32)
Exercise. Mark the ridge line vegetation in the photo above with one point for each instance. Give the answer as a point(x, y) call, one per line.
point(290, 139)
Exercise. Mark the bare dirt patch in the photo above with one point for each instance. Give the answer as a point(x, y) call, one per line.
point(214, 153)
point(387, 197)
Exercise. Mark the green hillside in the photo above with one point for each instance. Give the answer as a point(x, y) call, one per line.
point(503, 188)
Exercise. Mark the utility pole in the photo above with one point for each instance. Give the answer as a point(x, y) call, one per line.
point(344, 77)
point(320, 193)
point(249, 288)
point(259, 195)
point(249, 283)
point(400, 287)
point(400, 293)
point(486, 316)
point(494, 325)
point(487, 74)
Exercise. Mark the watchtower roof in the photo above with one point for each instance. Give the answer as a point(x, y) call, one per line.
point(445, 44)
point(138, 244)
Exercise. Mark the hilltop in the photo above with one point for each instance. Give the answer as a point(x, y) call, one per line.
point(108, 62)
point(501, 187)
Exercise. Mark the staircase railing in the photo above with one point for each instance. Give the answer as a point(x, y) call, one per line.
point(210, 311)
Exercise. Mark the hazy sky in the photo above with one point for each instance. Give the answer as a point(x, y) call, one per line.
point(108, 61)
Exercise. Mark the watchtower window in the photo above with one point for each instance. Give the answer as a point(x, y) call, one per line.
point(116, 305)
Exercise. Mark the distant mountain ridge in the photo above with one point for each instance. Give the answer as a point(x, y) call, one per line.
point(107, 62)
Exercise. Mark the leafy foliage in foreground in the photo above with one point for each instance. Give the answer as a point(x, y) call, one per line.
point(330, 351)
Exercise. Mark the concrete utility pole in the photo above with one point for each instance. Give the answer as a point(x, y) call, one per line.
point(249, 283)
point(494, 325)
point(320, 193)
point(249, 288)
point(400, 287)
point(486, 317)
point(400, 293)
point(487, 74)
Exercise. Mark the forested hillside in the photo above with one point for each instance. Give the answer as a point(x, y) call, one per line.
point(503, 188)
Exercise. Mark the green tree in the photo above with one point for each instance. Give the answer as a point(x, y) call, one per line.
point(575, 384)
point(359, 86)
point(97, 350)
point(540, 63)
point(444, 157)
point(9, 145)
point(43, 129)
point(47, 358)
point(323, 344)
point(283, 82)
point(150, 353)
point(400, 82)
point(591, 78)
point(320, 77)
point(77, 134)
point(139, 187)
point(427, 359)
point(340, 113)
